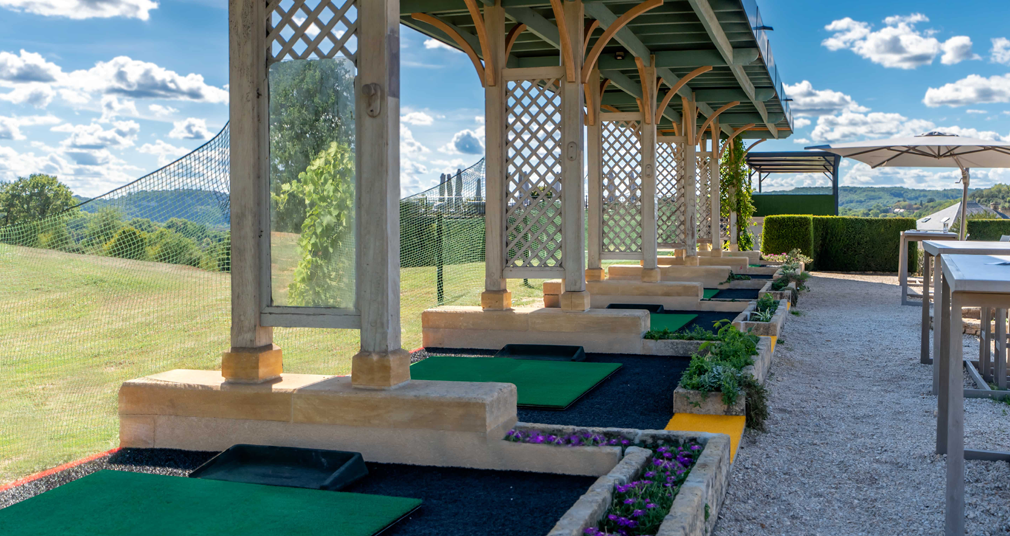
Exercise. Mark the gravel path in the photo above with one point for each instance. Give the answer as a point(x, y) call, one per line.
point(850, 441)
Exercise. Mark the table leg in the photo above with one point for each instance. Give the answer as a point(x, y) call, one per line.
point(942, 360)
point(1001, 354)
point(939, 333)
point(903, 269)
point(924, 343)
point(984, 340)
point(954, 381)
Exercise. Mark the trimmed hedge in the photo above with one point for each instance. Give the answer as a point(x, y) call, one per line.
point(782, 234)
point(990, 230)
point(776, 204)
point(841, 244)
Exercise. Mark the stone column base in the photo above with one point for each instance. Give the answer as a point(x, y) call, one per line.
point(575, 301)
point(252, 365)
point(371, 370)
point(716, 253)
point(690, 260)
point(651, 275)
point(496, 300)
point(594, 274)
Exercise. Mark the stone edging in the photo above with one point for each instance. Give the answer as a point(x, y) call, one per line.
point(691, 401)
point(764, 329)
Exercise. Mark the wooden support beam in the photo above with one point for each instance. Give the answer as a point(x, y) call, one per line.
point(496, 295)
point(613, 28)
point(609, 108)
point(575, 297)
point(538, 25)
point(567, 54)
point(677, 86)
point(463, 44)
point(714, 116)
point(755, 144)
point(690, 171)
point(478, 22)
point(648, 101)
point(714, 187)
point(510, 39)
point(624, 36)
point(594, 161)
point(736, 133)
point(590, 26)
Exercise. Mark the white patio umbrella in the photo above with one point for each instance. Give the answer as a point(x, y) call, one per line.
point(933, 149)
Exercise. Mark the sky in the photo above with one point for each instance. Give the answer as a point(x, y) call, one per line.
point(101, 92)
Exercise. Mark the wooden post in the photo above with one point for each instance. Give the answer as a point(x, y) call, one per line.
point(496, 294)
point(594, 152)
point(253, 357)
point(650, 268)
point(690, 119)
point(381, 363)
point(574, 297)
point(714, 192)
point(954, 381)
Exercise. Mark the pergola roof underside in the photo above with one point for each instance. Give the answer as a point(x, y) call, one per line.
point(793, 162)
point(673, 32)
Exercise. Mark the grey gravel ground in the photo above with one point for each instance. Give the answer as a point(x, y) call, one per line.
point(849, 447)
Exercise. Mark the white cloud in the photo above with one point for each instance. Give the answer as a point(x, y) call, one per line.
point(161, 111)
point(417, 119)
point(28, 67)
point(852, 125)
point(408, 145)
point(479, 119)
point(411, 180)
point(74, 96)
point(112, 107)
point(466, 141)
point(10, 127)
point(14, 164)
point(93, 137)
point(190, 128)
point(801, 122)
point(139, 79)
point(435, 43)
point(84, 9)
point(1000, 52)
point(35, 94)
point(898, 44)
point(976, 111)
point(165, 152)
point(973, 89)
point(816, 102)
point(801, 141)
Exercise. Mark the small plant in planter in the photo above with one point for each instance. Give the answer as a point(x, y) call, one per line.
point(765, 310)
point(736, 277)
point(698, 333)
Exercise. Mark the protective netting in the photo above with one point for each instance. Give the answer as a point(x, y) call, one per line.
point(135, 282)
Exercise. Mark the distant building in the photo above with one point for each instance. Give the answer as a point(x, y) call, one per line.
point(947, 218)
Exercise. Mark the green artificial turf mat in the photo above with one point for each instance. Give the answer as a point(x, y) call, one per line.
point(545, 384)
point(709, 292)
point(672, 322)
point(755, 265)
point(123, 503)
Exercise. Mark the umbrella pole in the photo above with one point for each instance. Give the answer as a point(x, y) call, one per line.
point(964, 202)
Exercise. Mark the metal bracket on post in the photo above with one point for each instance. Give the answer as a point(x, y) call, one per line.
point(373, 94)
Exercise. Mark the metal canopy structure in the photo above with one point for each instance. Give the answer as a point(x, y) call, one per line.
point(726, 36)
point(765, 164)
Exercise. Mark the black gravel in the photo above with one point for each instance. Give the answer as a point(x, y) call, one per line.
point(639, 395)
point(457, 502)
point(705, 319)
point(466, 502)
point(737, 294)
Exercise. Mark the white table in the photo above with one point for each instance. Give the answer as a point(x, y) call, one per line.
point(915, 236)
point(967, 281)
point(936, 250)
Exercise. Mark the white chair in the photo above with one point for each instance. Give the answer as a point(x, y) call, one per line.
point(1005, 238)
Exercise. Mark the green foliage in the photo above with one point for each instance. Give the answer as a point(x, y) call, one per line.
point(997, 195)
point(987, 229)
point(33, 198)
point(736, 192)
point(698, 333)
point(311, 107)
point(102, 227)
point(773, 204)
point(161, 206)
point(861, 244)
point(785, 233)
point(718, 365)
point(757, 402)
point(736, 277)
point(325, 191)
point(128, 243)
point(462, 238)
point(767, 303)
point(173, 248)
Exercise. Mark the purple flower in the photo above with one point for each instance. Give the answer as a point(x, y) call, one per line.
point(695, 447)
point(651, 505)
point(612, 517)
point(637, 513)
point(629, 501)
point(650, 474)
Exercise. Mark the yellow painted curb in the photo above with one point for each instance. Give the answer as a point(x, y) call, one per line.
point(731, 425)
point(774, 340)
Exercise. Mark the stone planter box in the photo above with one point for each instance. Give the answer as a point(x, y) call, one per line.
point(695, 509)
point(691, 401)
point(790, 293)
point(764, 329)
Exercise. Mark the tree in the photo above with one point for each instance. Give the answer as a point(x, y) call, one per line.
point(311, 106)
point(128, 243)
point(735, 191)
point(102, 227)
point(33, 198)
point(325, 190)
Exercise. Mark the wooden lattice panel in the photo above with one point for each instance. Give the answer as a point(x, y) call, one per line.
point(622, 187)
point(704, 200)
point(671, 211)
point(533, 189)
point(304, 29)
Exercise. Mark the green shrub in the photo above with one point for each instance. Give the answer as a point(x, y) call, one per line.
point(173, 248)
point(844, 244)
point(990, 230)
point(775, 204)
point(128, 243)
point(784, 233)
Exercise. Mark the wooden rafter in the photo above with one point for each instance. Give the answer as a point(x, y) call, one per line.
point(512, 36)
point(485, 48)
point(590, 28)
point(611, 30)
point(675, 130)
point(677, 87)
point(712, 117)
point(609, 108)
point(690, 118)
point(567, 54)
point(454, 35)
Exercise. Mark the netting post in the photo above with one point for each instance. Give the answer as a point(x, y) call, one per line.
point(496, 294)
point(650, 268)
point(381, 363)
point(458, 203)
point(594, 161)
point(690, 171)
point(253, 357)
point(715, 193)
point(441, 188)
point(574, 297)
point(439, 259)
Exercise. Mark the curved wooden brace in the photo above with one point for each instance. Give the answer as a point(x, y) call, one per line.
point(592, 111)
point(454, 35)
point(676, 87)
point(648, 100)
point(612, 30)
point(485, 48)
point(512, 36)
point(567, 55)
point(736, 133)
point(609, 108)
point(701, 131)
point(755, 144)
point(590, 28)
point(603, 86)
